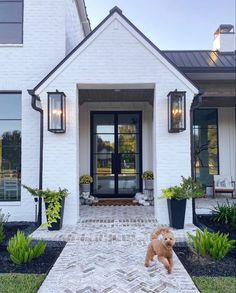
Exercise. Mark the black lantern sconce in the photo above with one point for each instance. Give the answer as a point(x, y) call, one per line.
point(176, 111)
point(57, 112)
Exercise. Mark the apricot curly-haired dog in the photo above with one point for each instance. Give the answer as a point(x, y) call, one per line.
point(162, 247)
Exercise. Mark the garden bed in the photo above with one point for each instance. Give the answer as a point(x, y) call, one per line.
point(199, 266)
point(210, 275)
point(207, 220)
point(40, 265)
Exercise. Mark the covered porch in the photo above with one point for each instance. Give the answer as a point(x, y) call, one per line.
point(116, 137)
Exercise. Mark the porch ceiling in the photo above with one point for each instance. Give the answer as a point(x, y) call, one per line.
point(116, 95)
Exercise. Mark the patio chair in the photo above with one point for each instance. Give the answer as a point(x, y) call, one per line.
point(223, 184)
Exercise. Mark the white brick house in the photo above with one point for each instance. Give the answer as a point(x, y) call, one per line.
point(113, 74)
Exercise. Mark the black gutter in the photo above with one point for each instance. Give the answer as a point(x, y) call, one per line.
point(193, 107)
point(34, 100)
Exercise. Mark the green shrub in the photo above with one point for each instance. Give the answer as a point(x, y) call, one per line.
point(214, 245)
point(21, 249)
point(53, 198)
point(187, 189)
point(225, 213)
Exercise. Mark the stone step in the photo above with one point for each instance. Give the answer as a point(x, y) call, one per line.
point(107, 232)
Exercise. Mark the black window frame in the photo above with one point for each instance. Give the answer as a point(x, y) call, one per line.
point(17, 22)
point(217, 144)
point(12, 119)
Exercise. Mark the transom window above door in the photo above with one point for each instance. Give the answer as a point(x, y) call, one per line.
point(11, 21)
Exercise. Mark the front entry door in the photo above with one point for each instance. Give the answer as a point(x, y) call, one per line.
point(116, 153)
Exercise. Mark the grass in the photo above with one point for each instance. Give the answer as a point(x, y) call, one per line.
point(215, 284)
point(20, 283)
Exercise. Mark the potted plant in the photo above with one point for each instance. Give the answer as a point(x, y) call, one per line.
point(176, 200)
point(147, 176)
point(85, 181)
point(54, 205)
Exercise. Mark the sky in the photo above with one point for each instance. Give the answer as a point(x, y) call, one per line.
point(171, 24)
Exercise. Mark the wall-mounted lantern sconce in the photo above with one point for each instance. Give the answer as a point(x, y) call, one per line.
point(57, 112)
point(176, 111)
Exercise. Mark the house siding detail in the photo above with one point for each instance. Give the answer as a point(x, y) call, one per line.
point(74, 30)
point(21, 67)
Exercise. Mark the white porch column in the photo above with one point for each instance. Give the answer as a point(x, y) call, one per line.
point(159, 119)
point(61, 154)
point(171, 153)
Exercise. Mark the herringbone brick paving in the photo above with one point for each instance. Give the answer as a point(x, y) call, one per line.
point(105, 253)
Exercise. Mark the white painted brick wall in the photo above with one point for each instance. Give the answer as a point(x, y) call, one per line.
point(74, 30)
point(21, 68)
point(116, 56)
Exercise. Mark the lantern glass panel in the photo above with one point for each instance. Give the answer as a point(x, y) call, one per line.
point(176, 111)
point(56, 112)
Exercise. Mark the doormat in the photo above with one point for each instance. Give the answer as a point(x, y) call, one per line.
point(116, 202)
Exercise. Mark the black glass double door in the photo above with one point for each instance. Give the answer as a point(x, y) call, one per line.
point(116, 153)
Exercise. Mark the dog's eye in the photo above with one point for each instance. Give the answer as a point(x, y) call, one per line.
point(165, 238)
point(170, 238)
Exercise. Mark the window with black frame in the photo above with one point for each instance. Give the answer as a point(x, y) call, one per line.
point(205, 140)
point(11, 21)
point(10, 146)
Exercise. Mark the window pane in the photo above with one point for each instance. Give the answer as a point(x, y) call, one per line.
point(10, 12)
point(104, 184)
point(9, 126)
point(10, 106)
point(103, 123)
point(205, 136)
point(10, 33)
point(104, 143)
point(205, 118)
point(128, 143)
point(10, 164)
point(128, 183)
point(128, 123)
point(102, 164)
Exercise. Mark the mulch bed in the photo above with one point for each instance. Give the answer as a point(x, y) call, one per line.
point(199, 266)
point(40, 265)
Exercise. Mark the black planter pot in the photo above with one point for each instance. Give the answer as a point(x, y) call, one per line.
point(176, 209)
point(57, 225)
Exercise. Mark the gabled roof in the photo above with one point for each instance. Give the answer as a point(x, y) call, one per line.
point(203, 61)
point(112, 11)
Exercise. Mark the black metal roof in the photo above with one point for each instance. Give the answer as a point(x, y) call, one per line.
point(206, 61)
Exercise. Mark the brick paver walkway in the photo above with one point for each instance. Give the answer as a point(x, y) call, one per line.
point(105, 253)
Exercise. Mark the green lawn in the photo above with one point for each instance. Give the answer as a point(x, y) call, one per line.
point(215, 284)
point(20, 283)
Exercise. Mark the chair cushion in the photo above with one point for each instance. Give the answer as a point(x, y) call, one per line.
point(224, 183)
